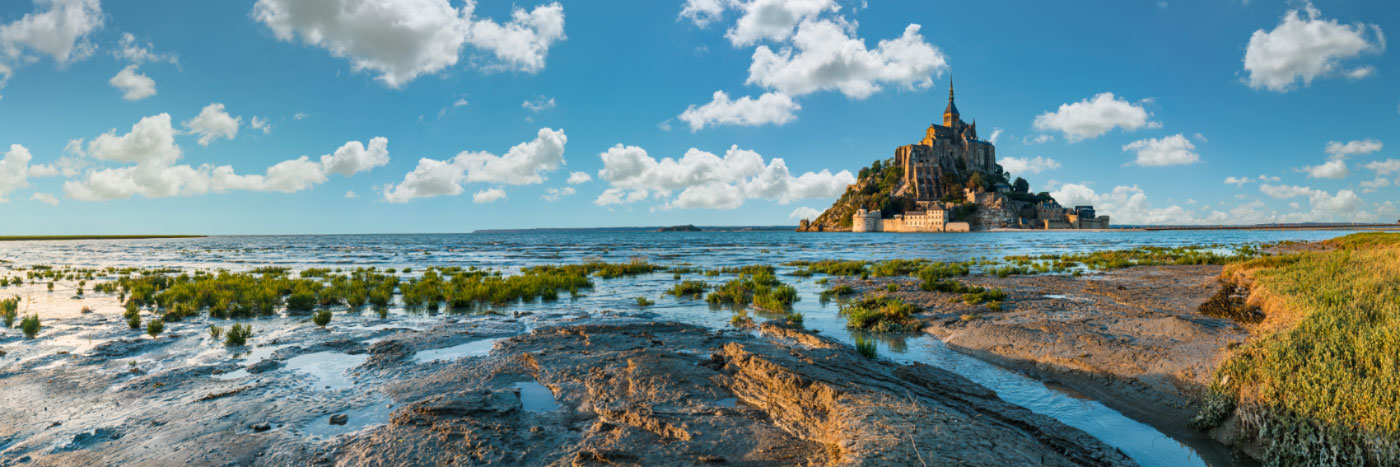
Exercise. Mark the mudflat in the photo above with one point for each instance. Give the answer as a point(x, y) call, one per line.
point(606, 389)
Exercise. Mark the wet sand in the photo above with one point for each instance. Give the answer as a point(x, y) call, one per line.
point(1132, 338)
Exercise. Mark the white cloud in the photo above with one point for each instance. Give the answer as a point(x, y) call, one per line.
point(129, 50)
point(353, 157)
point(805, 212)
point(1038, 139)
point(706, 180)
point(351, 194)
point(212, 122)
point(1128, 205)
point(1340, 150)
point(300, 116)
point(150, 147)
point(824, 55)
point(1200, 137)
point(60, 32)
point(1238, 181)
point(521, 44)
point(15, 170)
point(259, 123)
point(1361, 73)
point(459, 103)
point(1334, 169)
point(404, 39)
point(489, 195)
point(1384, 167)
point(1092, 117)
point(45, 198)
point(556, 194)
point(576, 178)
point(1268, 178)
point(615, 195)
point(134, 86)
point(525, 163)
point(1020, 165)
point(538, 104)
point(996, 133)
point(1284, 191)
point(1171, 150)
point(150, 141)
point(773, 107)
point(1303, 49)
point(1378, 182)
point(703, 12)
point(773, 19)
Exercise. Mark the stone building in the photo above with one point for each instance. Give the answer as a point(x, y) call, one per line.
point(952, 147)
point(933, 219)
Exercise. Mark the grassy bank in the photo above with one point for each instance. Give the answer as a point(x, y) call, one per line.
point(13, 238)
point(1320, 382)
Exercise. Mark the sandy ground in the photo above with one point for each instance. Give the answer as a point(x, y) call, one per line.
point(1132, 339)
point(542, 389)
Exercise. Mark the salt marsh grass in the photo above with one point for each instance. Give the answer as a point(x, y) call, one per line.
point(1321, 381)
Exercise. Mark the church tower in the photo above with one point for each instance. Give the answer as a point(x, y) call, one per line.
point(950, 114)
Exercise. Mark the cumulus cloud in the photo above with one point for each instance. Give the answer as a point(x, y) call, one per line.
point(45, 198)
point(525, 163)
point(1372, 185)
point(261, 124)
point(538, 104)
point(521, 44)
point(773, 19)
point(351, 194)
point(353, 157)
point(1340, 150)
point(151, 141)
point(60, 32)
point(825, 55)
point(213, 122)
point(1304, 48)
point(402, 40)
point(706, 180)
point(489, 195)
point(151, 150)
point(134, 86)
point(996, 133)
point(1092, 117)
point(1171, 150)
point(556, 194)
point(1384, 167)
point(130, 50)
point(1343, 204)
point(1334, 169)
point(1128, 205)
point(1238, 181)
point(15, 170)
point(773, 107)
point(805, 212)
point(576, 178)
point(1022, 165)
point(703, 12)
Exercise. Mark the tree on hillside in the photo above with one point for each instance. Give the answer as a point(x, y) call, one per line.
point(975, 182)
point(1021, 185)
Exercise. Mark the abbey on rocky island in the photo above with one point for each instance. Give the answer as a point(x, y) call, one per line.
point(947, 182)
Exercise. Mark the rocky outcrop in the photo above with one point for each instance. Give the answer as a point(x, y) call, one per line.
point(669, 394)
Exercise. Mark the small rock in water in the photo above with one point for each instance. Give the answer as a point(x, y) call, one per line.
point(261, 427)
point(340, 419)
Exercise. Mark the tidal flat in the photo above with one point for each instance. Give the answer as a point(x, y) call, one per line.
point(524, 352)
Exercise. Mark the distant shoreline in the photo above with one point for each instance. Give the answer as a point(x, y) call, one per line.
point(16, 238)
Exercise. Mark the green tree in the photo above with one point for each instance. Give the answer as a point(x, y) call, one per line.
point(1021, 185)
point(975, 182)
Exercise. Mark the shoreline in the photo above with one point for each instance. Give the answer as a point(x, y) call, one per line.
point(22, 238)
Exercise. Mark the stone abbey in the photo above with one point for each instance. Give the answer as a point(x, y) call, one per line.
point(937, 177)
point(952, 147)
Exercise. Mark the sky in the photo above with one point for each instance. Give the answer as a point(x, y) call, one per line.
point(358, 116)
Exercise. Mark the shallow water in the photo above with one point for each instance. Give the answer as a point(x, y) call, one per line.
point(534, 397)
point(477, 348)
point(511, 251)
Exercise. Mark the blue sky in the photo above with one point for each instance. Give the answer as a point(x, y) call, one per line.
point(438, 116)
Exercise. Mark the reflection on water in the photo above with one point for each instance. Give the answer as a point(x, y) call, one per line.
point(514, 250)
